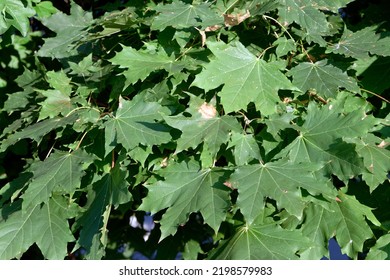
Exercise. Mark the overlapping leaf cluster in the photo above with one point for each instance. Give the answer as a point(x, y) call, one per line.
point(254, 128)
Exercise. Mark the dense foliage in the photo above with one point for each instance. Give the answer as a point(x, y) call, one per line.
point(221, 129)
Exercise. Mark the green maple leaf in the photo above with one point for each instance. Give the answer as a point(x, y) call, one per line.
point(56, 103)
point(357, 44)
point(320, 139)
point(20, 100)
point(45, 9)
point(324, 78)
point(258, 241)
point(107, 191)
point(246, 148)
point(345, 219)
point(284, 46)
point(134, 123)
point(69, 28)
point(375, 76)
point(330, 5)
point(279, 181)
point(308, 16)
point(381, 250)
point(319, 227)
point(245, 77)
point(376, 159)
point(55, 235)
point(60, 172)
point(38, 130)
point(57, 99)
point(46, 225)
point(185, 190)
point(182, 15)
point(14, 13)
point(203, 127)
point(139, 64)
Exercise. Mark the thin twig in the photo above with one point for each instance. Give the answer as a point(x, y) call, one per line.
point(375, 94)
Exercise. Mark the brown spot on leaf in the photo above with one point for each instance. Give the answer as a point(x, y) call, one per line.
point(232, 20)
point(207, 111)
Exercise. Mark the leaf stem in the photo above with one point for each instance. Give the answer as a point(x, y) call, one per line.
point(281, 25)
point(234, 3)
point(79, 108)
point(81, 140)
point(375, 94)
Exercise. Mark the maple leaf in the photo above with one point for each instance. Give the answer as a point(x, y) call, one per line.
point(261, 240)
point(245, 148)
point(45, 225)
point(307, 16)
point(381, 250)
point(135, 123)
point(276, 180)
point(202, 128)
point(13, 12)
point(376, 159)
point(185, 190)
point(69, 28)
point(320, 139)
point(345, 219)
point(323, 77)
point(330, 5)
point(357, 44)
point(38, 130)
point(107, 191)
point(245, 77)
point(139, 64)
point(59, 172)
point(181, 15)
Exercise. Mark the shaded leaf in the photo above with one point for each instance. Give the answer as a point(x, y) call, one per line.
point(323, 77)
point(182, 15)
point(69, 28)
point(346, 220)
point(139, 64)
point(320, 139)
point(134, 123)
point(356, 44)
point(381, 250)
point(185, 190)
point(376, 159)
point(46, 225)
point(38, 130)
point(245, 148)
point(60, 172)
point(308, 16)
point(107, 191)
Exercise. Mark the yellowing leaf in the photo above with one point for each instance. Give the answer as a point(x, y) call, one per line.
point(207, 111)
point(235, 19)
